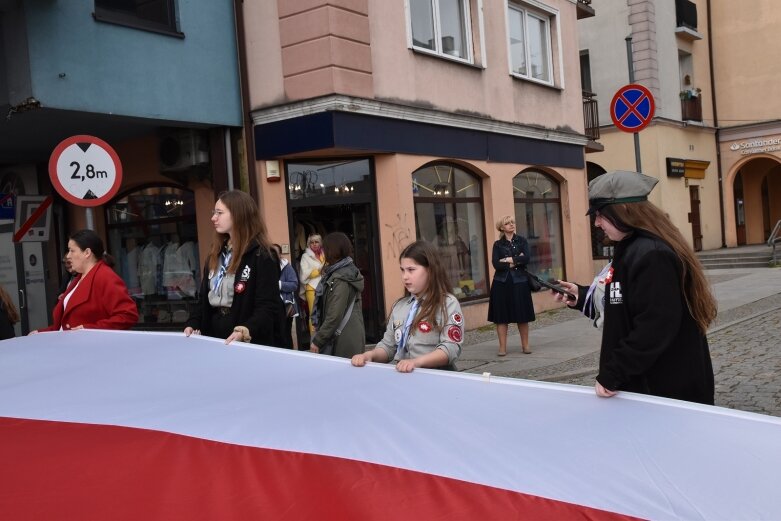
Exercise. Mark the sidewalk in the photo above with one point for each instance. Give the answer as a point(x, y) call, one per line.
point(570, 345)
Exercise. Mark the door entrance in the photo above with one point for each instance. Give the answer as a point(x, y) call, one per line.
point(355, 221)
point(333, 195)
point(694, 217)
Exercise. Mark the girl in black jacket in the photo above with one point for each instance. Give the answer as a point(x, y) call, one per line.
point(240, 285)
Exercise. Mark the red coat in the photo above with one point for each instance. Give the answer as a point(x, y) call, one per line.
point(100, 302)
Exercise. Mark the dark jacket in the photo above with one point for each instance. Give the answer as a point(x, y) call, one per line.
point(518, 249)
point(339, 288)
point(256, 303)
point(650, 341)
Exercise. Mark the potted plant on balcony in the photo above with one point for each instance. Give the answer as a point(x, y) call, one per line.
point(687, 94)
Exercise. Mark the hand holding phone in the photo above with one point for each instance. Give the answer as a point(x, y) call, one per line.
point(552, 284)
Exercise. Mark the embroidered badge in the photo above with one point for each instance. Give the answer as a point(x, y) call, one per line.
point(457, 319)
point(397, 335)
point(396, 324)
point(424, 327)
point(245, 274)
point(239, 287)
point(454, 333)
point(615, 293)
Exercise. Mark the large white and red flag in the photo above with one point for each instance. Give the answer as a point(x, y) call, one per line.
point(131, 425)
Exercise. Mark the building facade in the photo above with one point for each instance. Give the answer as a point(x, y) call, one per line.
point(745, 72)
point(670, 57)
point(425, 119)
point(159, 82)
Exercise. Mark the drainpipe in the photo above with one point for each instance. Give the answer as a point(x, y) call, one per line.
point(715, 123)
point(249, 141)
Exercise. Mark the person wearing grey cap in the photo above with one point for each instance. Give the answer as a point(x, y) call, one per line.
point(657, 301)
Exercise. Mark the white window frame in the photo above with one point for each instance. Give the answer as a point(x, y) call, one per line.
point(538, 11)
point(437, 51)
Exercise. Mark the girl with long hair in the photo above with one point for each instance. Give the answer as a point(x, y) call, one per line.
point(657, 304)
point(426, 326)
point(96, 297)
point(240, 284)
point(310, 267)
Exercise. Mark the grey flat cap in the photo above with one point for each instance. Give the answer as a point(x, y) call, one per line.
point(618, 186)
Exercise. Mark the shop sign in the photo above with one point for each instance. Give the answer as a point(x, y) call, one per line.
point(676, 167)
point(757, 146)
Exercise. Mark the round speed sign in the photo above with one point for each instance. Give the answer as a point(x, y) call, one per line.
point(85, 170)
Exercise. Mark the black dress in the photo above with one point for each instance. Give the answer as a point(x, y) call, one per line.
point(511, 298)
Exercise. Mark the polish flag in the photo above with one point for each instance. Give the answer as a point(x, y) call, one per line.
point(131, 425)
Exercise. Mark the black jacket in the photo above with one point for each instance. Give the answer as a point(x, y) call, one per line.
point(650, 341)
point(518, 249)
point(6, 327)
point(256, 302)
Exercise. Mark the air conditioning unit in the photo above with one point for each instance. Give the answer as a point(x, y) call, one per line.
point(183, 149)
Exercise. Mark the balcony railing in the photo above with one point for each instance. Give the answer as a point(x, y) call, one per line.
point(691, 109)
point(591, 115)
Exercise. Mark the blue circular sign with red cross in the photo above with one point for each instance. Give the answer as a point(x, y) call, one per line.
point(632, 108)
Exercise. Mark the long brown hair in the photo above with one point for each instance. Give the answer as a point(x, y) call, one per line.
point(248, 227)
point(433, 297)
point(8, 306)
point(645, 216)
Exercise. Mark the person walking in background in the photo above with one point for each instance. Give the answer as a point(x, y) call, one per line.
point(309, 272)
point(8, 315)
point(511, 297)
point(338, 316)
point(288, 286)
point(240, 284)
point(96, 298)
point(657, 302)
point(69, 274)
point(425, 327)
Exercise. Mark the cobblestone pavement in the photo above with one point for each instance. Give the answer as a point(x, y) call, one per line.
point(745, 347)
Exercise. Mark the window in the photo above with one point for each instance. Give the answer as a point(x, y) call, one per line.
point(449, 214)
point(152, 15)
point(442, 27)
point(154, 238)
point(538, 218)
point(530, 43)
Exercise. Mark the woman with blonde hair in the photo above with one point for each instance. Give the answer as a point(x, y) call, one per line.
point(311, 265)
point(657, 302)
point(240, 284)
point(511, 297)
point(8, 315)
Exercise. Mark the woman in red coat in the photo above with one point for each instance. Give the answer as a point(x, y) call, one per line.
point(96, 298)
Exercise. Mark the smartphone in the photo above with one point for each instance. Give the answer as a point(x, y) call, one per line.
point(555, 287)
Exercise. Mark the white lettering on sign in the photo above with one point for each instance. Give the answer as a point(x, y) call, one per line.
point(757, 146)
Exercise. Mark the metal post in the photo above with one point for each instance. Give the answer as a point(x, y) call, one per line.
point(90, 219)
point(632, 80)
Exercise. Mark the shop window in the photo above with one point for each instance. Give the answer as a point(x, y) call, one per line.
point(449, 213)
point(151, 15)
point(530, 42)
point(441, 27)
point(153, 236)
point(328, 182)
point(538, 218)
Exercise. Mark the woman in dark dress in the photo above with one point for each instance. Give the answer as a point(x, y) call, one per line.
point(511, 298)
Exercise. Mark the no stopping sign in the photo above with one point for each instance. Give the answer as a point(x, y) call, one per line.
point(85, 170)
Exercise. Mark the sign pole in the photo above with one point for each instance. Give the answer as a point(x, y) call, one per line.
point(632, 80)
point(91, 219)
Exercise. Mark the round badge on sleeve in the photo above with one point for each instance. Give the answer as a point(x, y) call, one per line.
point(454, 333)
point(457, 319)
